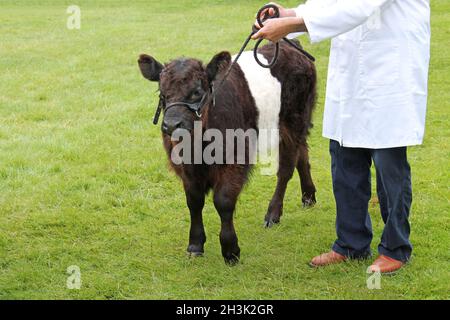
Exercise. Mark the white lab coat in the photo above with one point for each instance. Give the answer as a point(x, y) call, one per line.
point(378, 71)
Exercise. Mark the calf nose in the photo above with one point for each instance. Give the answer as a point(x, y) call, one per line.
point(169, 126)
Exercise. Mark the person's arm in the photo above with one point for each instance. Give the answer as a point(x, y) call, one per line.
point(324, 22)
point(276, 29)
point(322, 19)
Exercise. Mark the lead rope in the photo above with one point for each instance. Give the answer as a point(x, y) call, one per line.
point(260, 21)
point(255, 50)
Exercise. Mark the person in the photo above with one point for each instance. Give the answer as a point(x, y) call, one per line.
point(375, 108)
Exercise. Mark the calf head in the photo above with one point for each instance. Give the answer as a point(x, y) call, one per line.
point(185, 87)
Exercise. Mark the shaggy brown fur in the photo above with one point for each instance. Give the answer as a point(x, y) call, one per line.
point(188, 80)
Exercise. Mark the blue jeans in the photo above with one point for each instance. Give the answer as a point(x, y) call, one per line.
point(352, 190)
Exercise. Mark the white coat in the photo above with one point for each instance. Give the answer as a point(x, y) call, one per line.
point(378, 71)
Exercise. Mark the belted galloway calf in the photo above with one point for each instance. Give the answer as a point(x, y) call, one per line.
point(251, 98)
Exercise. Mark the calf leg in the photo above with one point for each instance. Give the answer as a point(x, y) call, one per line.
point(196, 200)
point(304, 170)
point(225, 202)
point(288, 157)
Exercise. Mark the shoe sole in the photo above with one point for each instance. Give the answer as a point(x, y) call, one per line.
point(315, 266)
point(391, 273)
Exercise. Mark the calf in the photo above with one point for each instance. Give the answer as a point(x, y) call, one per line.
point(251, 97)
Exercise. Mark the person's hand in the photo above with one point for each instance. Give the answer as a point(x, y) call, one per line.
point(284, 13)
point(276, 29)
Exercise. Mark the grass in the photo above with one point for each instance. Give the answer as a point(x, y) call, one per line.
point(84, 179)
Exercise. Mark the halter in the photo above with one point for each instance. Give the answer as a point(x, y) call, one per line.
point(196, 107)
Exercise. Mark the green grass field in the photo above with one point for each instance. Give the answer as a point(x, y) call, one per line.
point(84, 179)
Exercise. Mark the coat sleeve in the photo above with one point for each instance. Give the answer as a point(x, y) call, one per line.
point(326, 19)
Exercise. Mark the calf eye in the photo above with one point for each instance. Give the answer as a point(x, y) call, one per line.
point(196, 95)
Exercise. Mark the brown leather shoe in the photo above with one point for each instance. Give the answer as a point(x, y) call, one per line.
point(386, 265)
point(327, 259)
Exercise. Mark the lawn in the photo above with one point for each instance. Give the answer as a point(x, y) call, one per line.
point(84, 178)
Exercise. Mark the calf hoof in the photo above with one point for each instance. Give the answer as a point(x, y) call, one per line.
point(270, 223)
point(231, 260)
point(195, 250)
point(309, 201)
point(232, 256)
point(272, 219)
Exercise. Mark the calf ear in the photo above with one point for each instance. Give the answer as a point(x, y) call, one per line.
point(218, 64)
point(150, 68)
